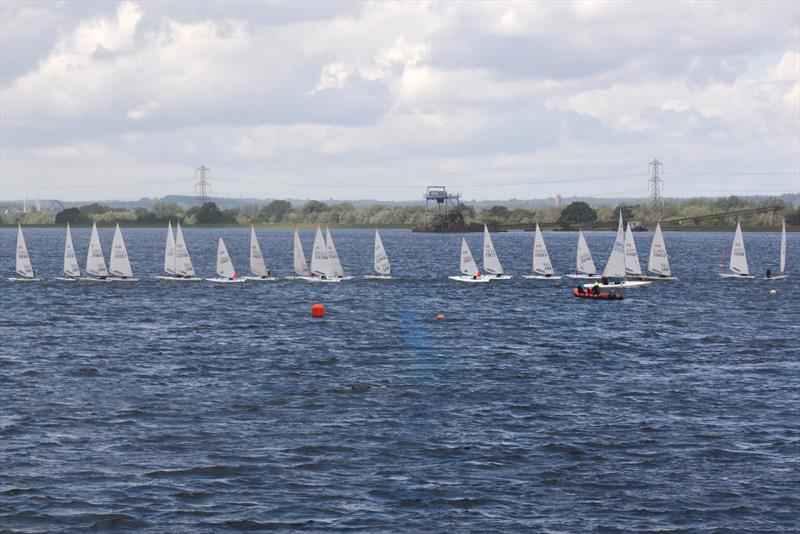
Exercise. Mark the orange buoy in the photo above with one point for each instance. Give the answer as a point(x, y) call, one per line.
point(440, 317)
point(317, 310)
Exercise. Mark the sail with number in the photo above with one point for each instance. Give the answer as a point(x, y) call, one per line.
point(71, 267)
point(738, 262)
point(300, 263)
point(468, 266)
point(658, 262)
point(24, 267)
point(224, 263)
point(615, 268)
point(257, 265)
point(382, 266)
point(95, 262)
point(169, 251)
point(584, 262)
point(119, 264)
point(632, 265)
point(183, 263)
point(320, 261)
point(783, 248)
point(333, 257)
point(541, 259)
point(491, 263)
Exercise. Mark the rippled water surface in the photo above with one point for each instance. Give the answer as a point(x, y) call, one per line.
point(167, 407)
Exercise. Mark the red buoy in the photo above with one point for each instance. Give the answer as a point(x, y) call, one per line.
point(440, 317)
point(317, 310)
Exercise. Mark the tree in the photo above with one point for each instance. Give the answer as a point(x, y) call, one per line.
point(578, 213)
point(497, 213)
point(793, 218)
point(275, 211)
point(314, 206)
point(72, 216)
point(209, 213)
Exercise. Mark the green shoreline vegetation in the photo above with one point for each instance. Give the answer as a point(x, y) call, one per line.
point(281, 213)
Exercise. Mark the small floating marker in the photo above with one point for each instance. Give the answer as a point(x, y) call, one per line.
point(773, 291)
point(440, 317)
point(317, 310)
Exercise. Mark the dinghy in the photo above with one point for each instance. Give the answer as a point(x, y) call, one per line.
point(616, 266)
point(738, 263)
point(258, 267)
point(95, 262)
point(584, 264)
point(25, 272)
point(632, 265)
point(542, 268)
point(301, 271)
point(71, 268)
point(225, 271)
point(177, 263)
point(333, 257)
point(782, 260)
point(468, 267)
point(119, 264)
point(491, 263)
point(613, 295)
point(658, 263)
point(383, 270)
point(322, 269)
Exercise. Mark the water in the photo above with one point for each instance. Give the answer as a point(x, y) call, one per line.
point(191, 407)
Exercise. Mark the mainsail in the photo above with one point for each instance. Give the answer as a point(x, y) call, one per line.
point(615, 268)
point(320, 261)
point(783, 248)
point(658, 262)
point(24, 267)
point(738, 262)
point(541, 259)
point(224, 264)
point(382, 266)
point(169, 251)
point(119, 264)
point(333, 257)
point(71, 267)
point(300, 263)
point(95, 262)
point(584, 263)
point(468, 266)
point(632, 265)
point(491, 263)
point(183, 263)
point(257, 265)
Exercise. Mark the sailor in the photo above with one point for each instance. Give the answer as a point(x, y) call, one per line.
point(596, 288)
point(581, 287)
point(605, 281)
point(769, 272)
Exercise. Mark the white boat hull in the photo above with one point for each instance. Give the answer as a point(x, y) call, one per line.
point(655, 278)
point(225, 280)
point(118, 279)
point(626, 284)
point(317, 279)
point(261, 278)
point(93, 279)
point(731, 276)
point(471, 279)
point(178, 279)
point(67, 279)
point(779, 277)
point(498, 277)
point(584, 276)
point(378, 277)
point(21, 279)
point(541, 277)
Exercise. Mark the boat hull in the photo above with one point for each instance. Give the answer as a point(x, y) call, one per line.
point(113, 279)
point(627, 284)
point(498, 277)
point(177, 279)
point(651, 278)
point(378, 277)
point(20, 279)
point(261, 278)
point(599, 296)
point(733, 276)
point(67, 279)
point(226, 280)
point(584, 276)
point(779, 277)
point(471, 279)
point(541, 277)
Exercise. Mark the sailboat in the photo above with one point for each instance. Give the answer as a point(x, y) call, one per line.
point(616, 266)
point(225, 271)
point(632, 265)
point(333, 257)
point(658, 262)
point(383, 271)
point(177, 263)
point(72, 271)
point(301, 271)
point(584, 264)
point(119, 264)
point(542, 268)
point(782, 260)
point(258, 267)
point(738, 262)
point(322, 269)
point(491, 263)
point(95, 262)
point(468, 267)
point(25, 272)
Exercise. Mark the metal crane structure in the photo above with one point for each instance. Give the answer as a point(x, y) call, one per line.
point(656, 204)
point(202, 187)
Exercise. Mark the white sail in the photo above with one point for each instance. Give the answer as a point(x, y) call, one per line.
point(320, 261)
point(738, 257)
point(632, 265)
point(615, 268)
point(71, 267)
point(183, 263)
point(541, 259)
point(783, 248)
point(584, 263)
point(95, 262)
point(24, 267)
point(257, 265)
point(169, 251)
point(491, 263)
point(658, 262)
point(333, 257)
point(224, 264)
point(118, 263)
point(300, 263)
point(382, 266)
point(468, 266)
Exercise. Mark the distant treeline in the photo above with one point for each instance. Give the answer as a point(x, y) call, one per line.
point(313, 212)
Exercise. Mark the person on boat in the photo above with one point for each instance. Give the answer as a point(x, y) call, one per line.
point(596, 288)
point(769, 272)
point(581, 287)
point(605, 281)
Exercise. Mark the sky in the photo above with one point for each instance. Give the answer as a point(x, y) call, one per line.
point(347, 100)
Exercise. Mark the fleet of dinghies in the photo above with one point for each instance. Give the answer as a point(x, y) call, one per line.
point(622, 270)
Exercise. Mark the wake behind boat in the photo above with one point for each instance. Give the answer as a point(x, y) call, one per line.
point(468, 267)
point(542, 268)
point(258, 267)
point(584, 264)
point(225, 271)
point(383, 271)
point(24, 269)
point(738, 263)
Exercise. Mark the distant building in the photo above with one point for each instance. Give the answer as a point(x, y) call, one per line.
point(558, 201)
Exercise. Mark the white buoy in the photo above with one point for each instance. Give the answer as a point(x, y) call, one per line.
point(773, 291)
